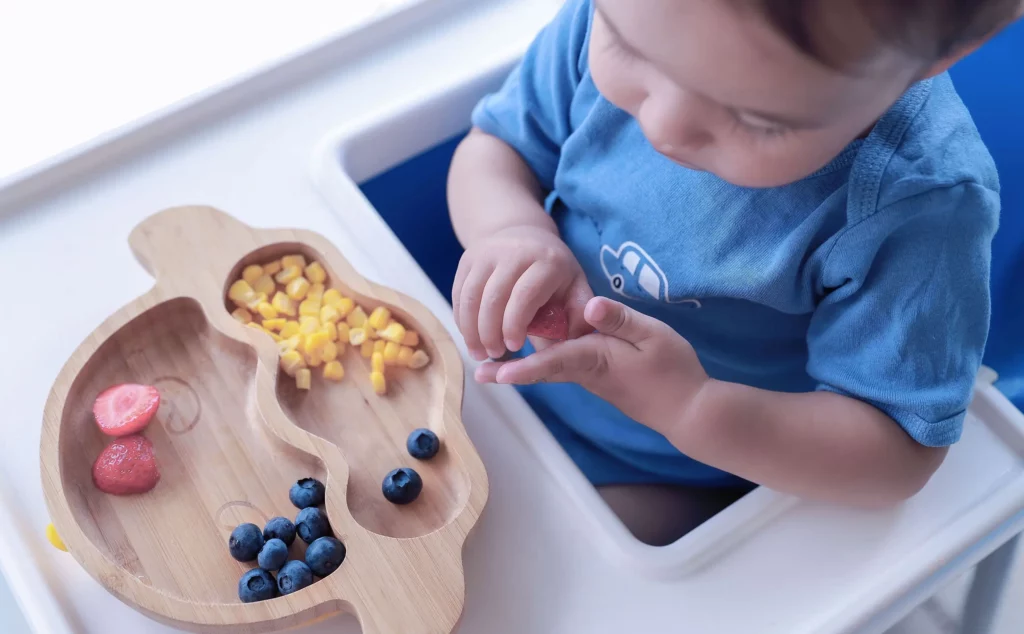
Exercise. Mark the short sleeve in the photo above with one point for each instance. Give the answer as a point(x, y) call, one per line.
point(531, 110)
point(907, 332)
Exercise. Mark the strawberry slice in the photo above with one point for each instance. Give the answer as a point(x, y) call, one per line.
point(126, 466)
point(550, 322)
point(125, 409)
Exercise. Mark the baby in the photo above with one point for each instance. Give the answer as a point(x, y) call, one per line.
point(770, 224)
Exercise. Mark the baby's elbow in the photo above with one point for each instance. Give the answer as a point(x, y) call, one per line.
point(911, 477)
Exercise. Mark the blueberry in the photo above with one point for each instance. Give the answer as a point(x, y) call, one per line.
point(256, 585)
point(245, 542)
point(295, 576)
point(325, 555)
point(307, 492)
point(423, 444)
point(402, 486)
point(280, 528)
point(273, 556)
point(311, 524)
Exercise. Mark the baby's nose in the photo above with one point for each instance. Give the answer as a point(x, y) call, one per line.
point(672, 125)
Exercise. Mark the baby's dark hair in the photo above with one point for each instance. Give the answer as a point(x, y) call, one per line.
point(925, 29)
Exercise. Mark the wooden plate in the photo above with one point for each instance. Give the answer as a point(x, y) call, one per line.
point(232, 435)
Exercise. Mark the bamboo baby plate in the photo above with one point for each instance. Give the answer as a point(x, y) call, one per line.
point(233, 433)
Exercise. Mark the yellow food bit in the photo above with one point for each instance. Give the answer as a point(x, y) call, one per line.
point(366, 349)
point(378, 346)
point(343, 330)
point(290, 343)
point(329, 352)
point(290, 329)
point(252, 273)
point(265, 285)
point(377, 362)
point(240, 291)
point(288, 274)
point(332, 296)
point(316, 273)
point(303, 379)
point(380, 386)
point(404, 356)
point(308, 325)
point(411, 339)
point(54, 538)
point(329, 314)
point(356, 318)
point(357, 336)
point(297, 260)
point(391, 350)
point(254, 301)
point(297, 288)
point(274, 323)
point(283, 304)
point(316, 292)
point(242, 315)
point(292, 362)
point(380, 317)
point(272, 268)
point(314, 360)
point(267, 311)
point(310, 308)
point(329, 330)
point(419, 359)
point(394, 331)
point(345, 306)
point(371, 332)
point(273, 335)
point(316, 342)
point(334, 371)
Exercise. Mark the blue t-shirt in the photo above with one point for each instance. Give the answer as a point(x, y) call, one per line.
point(869, 278)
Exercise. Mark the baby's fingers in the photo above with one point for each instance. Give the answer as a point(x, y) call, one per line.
point(533, 289)
point(584, 360)
point(492, 308)
point(469, 308)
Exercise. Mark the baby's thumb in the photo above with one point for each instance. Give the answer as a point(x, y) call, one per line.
point(576, 303)
point(615, 319)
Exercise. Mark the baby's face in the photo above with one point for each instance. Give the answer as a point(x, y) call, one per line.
point(715, 88)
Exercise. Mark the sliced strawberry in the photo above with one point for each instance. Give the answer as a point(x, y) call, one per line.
point(125, 409)
point(550, 322)
point(126, 466)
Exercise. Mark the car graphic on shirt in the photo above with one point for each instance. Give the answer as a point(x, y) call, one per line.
point(633, 274)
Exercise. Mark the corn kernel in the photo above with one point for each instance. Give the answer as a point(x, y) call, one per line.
point(411, 339)
point(292, 362)
point(380, 386)
point(366, 349)
point(404, 356)
point(357, 336)
point(378, 346)
point(309, 308)
point(267, 311)
point(288, 274)
point(303, 379)
point(377, 362)
point(316, 273)
point(332, 296)
point(343, 330)
point(314, 360)
point(308, 325)
point(242, 315)
point(345, 306)
point(371, 332)
point(329, 314)
point(283, 304)
point(252, 273)
point(297, 288)
point(394, 331)
point(316, 292)
point(272, 268)
point(380, 317)
point(290, 329)
point(274, 323)
point(240, 291)
point(316, 341)
point(265, 285)
point(289, 343)
point(391, 350)
point(356, 318)
point(329, 352)
point(254, 300)
point(298, 261)
point(419, 359)
point(334, 371)
point(273, 335)
point(329, 330)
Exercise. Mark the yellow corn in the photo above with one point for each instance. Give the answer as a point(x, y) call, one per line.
point(334, 371)
point(316, 273)
point(267, 311)
point(391, 350)
point(265, 285)
point(316, 292)
point(287, 274)
point(252, 273)
point(343, 330)
point(290, 329)
point(294, 260)
point(292, 362)
point(380, 386)
point(308, 325)
point(329, 352)
point(377, 362)
point(309, 308)
point(366, 349)
point(303, 379)
point(289, 343)
point(54, 538)
point(371, 332)
point(254, 300)
point(272, 268)
point(316, 342)
point(378, 346)
point(380, 317)
point(329, 330)
point(314, 360)
point(332, 296)
point(394, 331)
point(329, 314)
point(411, 339)
point(242, 315)
point(297, 288)
point(419, 359)
point(283, 304)
point(274, 323)
point(404, 356)
point(356, 318)
point(345, 306)
point(357, 336)
point(273, 335)
point(240, 291)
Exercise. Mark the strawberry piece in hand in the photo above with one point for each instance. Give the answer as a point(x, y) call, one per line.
point(551, 322)
point(126, 466)
point(125, 409)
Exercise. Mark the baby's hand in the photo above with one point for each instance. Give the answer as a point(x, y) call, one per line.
point(505, 279)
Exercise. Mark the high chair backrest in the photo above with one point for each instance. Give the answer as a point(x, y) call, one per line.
point(991, 83)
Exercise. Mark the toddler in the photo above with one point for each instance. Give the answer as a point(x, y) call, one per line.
point(770, 224)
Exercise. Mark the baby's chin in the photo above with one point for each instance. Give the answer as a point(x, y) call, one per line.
point(752, 177)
